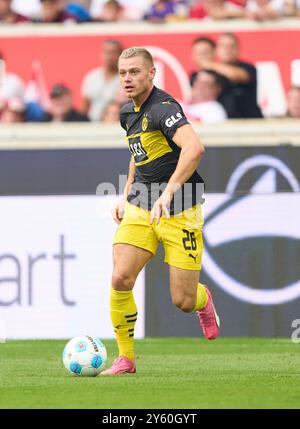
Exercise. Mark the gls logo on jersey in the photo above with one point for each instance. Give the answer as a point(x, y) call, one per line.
point(173, 120)
point(252, 239)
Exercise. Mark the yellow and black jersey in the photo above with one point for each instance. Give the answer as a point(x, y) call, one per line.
point(150, 130)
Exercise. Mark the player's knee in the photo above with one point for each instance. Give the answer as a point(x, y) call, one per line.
point(122, 281)
point(184, 303)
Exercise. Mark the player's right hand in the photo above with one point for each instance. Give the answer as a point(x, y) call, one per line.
point(118, 211)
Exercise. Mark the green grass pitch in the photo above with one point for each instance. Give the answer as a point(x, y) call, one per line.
point(172, 373)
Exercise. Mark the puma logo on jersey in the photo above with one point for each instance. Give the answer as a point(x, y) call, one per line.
point(194, 257)
point(173, 119)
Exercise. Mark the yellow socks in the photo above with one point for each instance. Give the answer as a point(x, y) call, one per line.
point(202, 297)
point(123, 313)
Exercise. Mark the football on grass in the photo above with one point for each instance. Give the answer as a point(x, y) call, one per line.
point(84, 356)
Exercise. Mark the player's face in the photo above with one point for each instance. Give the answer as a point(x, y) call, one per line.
point(136, 76)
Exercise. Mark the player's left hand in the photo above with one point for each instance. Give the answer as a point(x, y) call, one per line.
point(161, 207)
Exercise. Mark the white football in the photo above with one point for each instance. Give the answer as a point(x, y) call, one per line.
point(85, 356)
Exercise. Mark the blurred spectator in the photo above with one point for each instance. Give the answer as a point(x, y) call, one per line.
point(11, 87)
point(36, 93)
point(8, 16)
point(79, 11)
point(12, 111)
point(54, 11)
point(216, 9)
point(112, 11)
point(203, 50)
point(101, 85)
point(290, 7)
point(241, 3)
point(61, 106)
point(264, 10)
point(85, 3)
point(111, 113)
point(34, 112)
point(121, 97)
point(204, 107)
point(239, 97)
point(133, 10)
point(182, 9)
point(29, 8)
point(160, 11)
point(293, 102)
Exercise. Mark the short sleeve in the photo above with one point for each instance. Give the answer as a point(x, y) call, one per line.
point(169, 116)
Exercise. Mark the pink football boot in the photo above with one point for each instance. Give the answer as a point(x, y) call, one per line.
point(122, 365)
point(209, 320)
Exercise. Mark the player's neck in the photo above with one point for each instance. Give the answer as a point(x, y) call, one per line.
point(141, 98)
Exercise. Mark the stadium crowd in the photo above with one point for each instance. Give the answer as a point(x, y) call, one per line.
point(58, 11)
point(222, 87)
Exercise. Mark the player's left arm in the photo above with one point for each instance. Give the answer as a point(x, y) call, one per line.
point(191, 153)
point(192, 150)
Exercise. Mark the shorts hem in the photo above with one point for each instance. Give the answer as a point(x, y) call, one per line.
point(183, 267)
point(134, 245)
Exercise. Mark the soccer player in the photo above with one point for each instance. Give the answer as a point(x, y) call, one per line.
point(161, 202)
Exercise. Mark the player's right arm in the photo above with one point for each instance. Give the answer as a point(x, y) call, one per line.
point(118, 211)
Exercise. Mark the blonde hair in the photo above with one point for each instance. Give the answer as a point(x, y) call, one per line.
point(136, 52)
